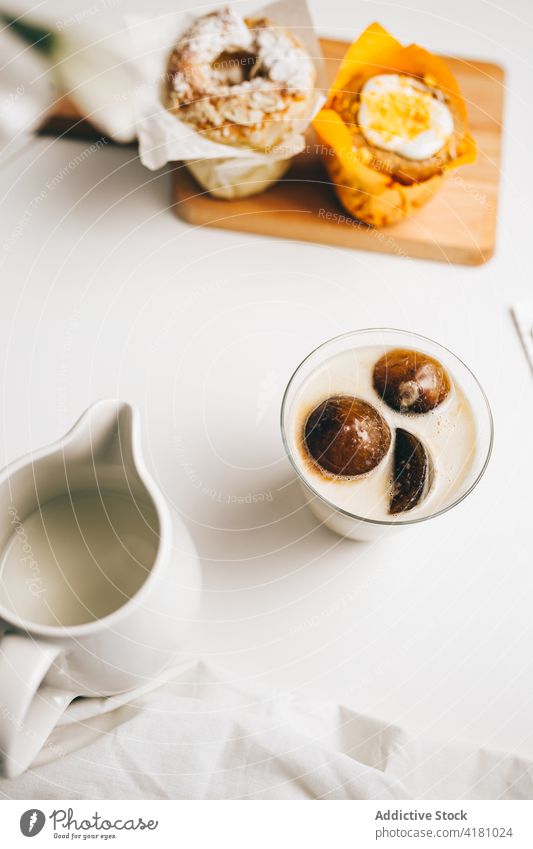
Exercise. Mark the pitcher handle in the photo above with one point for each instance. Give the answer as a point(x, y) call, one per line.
point(28, 711)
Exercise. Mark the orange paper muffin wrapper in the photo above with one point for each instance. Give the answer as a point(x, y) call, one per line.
point(368, 194)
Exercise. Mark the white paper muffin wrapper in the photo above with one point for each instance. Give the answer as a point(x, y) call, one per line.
point(164, 138)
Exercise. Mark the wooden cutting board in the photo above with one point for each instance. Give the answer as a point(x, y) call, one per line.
point(457, 226)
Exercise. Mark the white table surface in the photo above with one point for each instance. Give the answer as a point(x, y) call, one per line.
point(106, 292)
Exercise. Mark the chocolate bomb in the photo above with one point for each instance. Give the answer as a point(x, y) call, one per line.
point(346, 437)
point(410, 381)
point(412, 472)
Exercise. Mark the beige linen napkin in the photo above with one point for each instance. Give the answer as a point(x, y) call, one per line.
point(197, 735)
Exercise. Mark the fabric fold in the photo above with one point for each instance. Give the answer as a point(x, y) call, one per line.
point(194, 734)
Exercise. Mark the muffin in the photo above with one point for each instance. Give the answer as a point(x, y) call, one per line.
point(393, 125)
point(240, 81)
point(244, 83)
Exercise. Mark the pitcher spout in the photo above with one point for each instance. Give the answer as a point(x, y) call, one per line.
point(103, 448)
point(104, 435)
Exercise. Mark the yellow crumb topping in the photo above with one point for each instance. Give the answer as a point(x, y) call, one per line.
point(404, 112)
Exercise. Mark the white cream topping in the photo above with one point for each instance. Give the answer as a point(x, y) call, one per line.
point(278, 60)
point(400, 114)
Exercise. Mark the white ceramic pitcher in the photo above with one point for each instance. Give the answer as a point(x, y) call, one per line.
point(45, 663)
